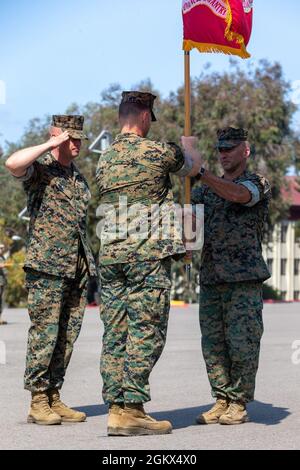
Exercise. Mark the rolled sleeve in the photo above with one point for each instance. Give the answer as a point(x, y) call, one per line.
point(28, 175)
point(186, 168)
point(254, 191)
point(174, 158)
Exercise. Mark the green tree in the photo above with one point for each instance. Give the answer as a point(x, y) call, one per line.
point(257, 99)
point(15, 292)
point(269, 293)
point(4, 238)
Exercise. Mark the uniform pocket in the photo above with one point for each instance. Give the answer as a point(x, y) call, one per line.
point(159, 274)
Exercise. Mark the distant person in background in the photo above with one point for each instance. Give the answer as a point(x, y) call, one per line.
point(2, 282)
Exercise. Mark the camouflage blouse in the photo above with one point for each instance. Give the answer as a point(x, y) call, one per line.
point(233, 233)
point(57, 204)
point(136, 200)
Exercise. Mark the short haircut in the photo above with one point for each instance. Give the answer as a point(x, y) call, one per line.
point(131, 110)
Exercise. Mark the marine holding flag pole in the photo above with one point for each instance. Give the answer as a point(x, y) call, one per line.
point(217, 26)
point(220, 26)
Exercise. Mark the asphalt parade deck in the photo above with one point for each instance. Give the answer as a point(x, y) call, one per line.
point(179, 388)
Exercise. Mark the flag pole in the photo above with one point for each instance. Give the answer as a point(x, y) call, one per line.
point(187, 121)
point(187, 133)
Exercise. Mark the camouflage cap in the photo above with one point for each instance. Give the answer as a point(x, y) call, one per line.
point(71, 123)
point(230, 137)
point(146, 99)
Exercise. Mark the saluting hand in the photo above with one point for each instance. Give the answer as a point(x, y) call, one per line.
point(56, 141)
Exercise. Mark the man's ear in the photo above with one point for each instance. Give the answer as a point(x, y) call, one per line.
point(145, 116)
point(247, 151)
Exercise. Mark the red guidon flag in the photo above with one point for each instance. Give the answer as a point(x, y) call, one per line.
point(217, 25)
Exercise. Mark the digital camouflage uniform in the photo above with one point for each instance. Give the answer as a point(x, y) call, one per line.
point(231, 276)
point(58, 263)
point(135, 274)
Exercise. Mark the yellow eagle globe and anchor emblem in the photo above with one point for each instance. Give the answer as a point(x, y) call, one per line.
point(248, 5)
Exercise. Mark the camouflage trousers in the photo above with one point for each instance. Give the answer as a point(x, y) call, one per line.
point(56, 307)
point(232, 327)
point(135, 304)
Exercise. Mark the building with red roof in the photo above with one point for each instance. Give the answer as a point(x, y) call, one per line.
point(291, 194)
point(283, 251)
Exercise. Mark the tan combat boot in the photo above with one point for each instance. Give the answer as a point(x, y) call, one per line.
point(67, 414)
point(235, 414)
point(212, 416)
point(40, 411)
point(133, 421)
point(114, 413)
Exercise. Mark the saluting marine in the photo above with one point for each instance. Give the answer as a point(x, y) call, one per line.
point(58, 264)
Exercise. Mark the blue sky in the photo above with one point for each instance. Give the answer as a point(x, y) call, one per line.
point(53, 53)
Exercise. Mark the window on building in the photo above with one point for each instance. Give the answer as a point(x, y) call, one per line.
point(283, 267)
point(283, 294)
point(270, 236)
point(284, 229)
point(270, 265)
point(296, 294)
point(297, 267)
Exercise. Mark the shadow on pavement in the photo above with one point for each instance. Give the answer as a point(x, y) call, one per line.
point(266, 413)
point(93, 410)
point(181, 418)
point(260, 413)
